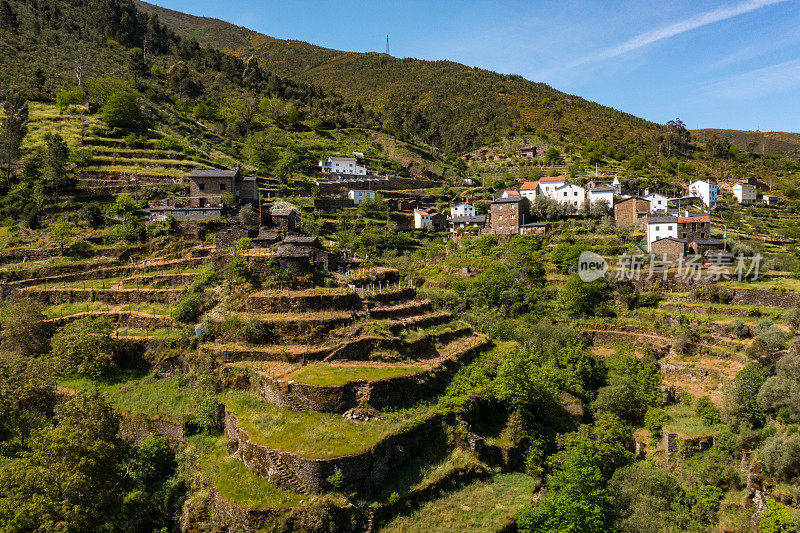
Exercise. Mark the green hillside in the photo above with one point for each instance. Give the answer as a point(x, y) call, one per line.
point(769, 142)
point(446, 104)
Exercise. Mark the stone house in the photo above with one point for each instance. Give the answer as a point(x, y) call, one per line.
point(669, 248)
point(703, 246)
point(429, 220)
point(527, 152)
point(631, 212)
point(508, 214)
point(535, 228)
point(206, 187)
point(226, 237)
point(284, 219)
point(465, 223)
point(304, 253)
point(692, 227)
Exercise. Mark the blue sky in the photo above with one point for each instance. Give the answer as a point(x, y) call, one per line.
point(718, 64)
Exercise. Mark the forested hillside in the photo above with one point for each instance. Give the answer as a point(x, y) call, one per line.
point(446, 104)
point(766, 142)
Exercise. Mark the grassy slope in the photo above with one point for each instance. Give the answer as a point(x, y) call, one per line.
point(480, 506)
point(310, 434)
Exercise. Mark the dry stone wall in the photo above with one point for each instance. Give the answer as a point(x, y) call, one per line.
point(361, 472)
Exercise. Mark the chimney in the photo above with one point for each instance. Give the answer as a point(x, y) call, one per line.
point(686, 213)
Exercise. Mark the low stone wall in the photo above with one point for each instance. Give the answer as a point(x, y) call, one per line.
point(362, 472)
point(123, 318)
point(28, 254)
point(674, 443)
point(394, 391)
point(303, 302)
point(402, 310)
point(55, 296)
point(766, 298)
point(137, 428)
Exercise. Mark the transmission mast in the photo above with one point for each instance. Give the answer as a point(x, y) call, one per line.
point(387, 45)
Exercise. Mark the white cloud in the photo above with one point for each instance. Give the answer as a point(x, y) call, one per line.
point(671, 30)
point(756, 83)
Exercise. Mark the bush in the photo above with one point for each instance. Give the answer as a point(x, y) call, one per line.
point(655, 419)
point(336, 478)
point(712, 294)
point(781, 456)
point(188, 309)
point(132, 140)
point(737, 329)
point(84, 346)
point(209, 415)
point(776, 518)
point(792, 318)
point(81, 157)
point(122, 111)
point(81, 249)
point(707, 411)
point(169, 142)
point(763, 325)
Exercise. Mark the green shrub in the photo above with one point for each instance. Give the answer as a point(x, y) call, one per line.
point(132, 140)
point(81, 157)
point(336, 478)
point(737, 329)
point(169, 142)
point(655, 419)
point(707, 411)
point(188, 309)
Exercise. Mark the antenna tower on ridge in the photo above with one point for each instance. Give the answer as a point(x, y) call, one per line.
point(387, 45)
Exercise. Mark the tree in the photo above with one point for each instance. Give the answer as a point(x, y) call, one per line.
point(14, 128)
point(55, 158)
point(122, 111)
point(577, 501)
point(61, 232)
point(579, 298)
point(740, 400)
point(75, 96)
point(124, 206)
point(72, 475)
point(552, 156)
point(27, 397)
point(677, 138)
point(655, 419)
point(707, 411)
point(248, 217)
point(84, 346)
point(23, 327)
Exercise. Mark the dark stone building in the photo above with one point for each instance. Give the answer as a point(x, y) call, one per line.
point(206, 187)
point(303, 254)
point(631, 212)
point(508, 214)
point(284, 219)
point(668, 248)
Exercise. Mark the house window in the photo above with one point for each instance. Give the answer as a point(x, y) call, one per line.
point(202, 186)
point(656, 228)
point(222, 186)
point(669, 228)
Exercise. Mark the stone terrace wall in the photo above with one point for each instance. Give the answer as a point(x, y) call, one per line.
point(766, 298)
point(54, 296)
point(362, 472)
point(395, 391)
point(123, 318)
point(272, 303)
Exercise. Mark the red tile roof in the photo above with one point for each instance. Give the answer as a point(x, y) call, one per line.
point(553, 178)
point(528, 185)
point(701, 218)
point(421, 212)
point(512, 192)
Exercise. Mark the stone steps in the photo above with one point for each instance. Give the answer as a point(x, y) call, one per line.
point(287, 478)
point(288, 396)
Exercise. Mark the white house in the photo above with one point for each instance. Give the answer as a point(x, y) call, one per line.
point(658, 202)
point(601, 193)
point(705, 190)
point(508, 193)
point(342, 165)
point(462, 210)
point(659, 227)
point(422, 219)
point(570, 194)
point(529, 189)
point(745, 193)
point(548, 185)
point(357, 196)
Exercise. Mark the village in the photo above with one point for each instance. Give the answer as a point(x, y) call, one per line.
point(671, 226)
